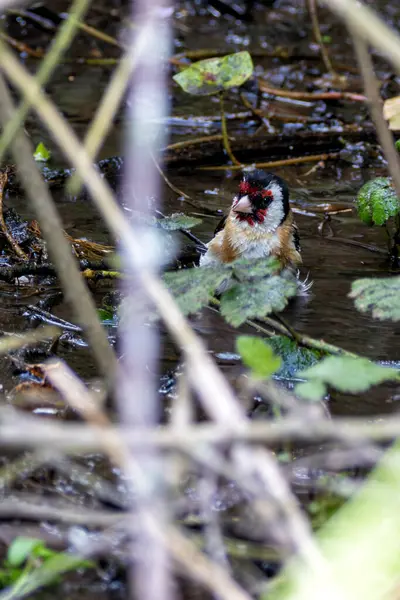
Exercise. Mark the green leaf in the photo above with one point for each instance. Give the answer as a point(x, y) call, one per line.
point(256, 299)
point(344, 373)
point(41, 154)
point(258, 356)
point(107, 317)
point(397, 144)
point(214, 75)
point(46, 574)
point(178, 221)
point(294, 357)
point(311, 390)
point(21, 548)
point(193, 288)
point(247, 269)
point(379, 296)
point(377, 201)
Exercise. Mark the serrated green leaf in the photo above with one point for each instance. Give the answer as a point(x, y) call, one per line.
point(256, 298)
point(377, 201)
point(346, 374)
point(245, 269)
point(294, 357)
point(178, 221)
point(21, 548)
point(379, 296)
point(214, 75)
point(258, 356)
point(193, 288)
point(311, 390)
point(41, 154)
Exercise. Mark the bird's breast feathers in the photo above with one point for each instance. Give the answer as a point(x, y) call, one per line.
point(238, 239)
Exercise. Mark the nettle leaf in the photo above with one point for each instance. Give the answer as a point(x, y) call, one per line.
point(377, 201)
point(256, 299)
point(193, 288)
point(294, 357)
point(178, 221)
point(345, 374)
point(41, 154)
point(312, 390)
point(247, 269)
point(379, 296)
point(258, 356)
point(214, 75)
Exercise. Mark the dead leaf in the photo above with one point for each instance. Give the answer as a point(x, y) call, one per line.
point(391, 112)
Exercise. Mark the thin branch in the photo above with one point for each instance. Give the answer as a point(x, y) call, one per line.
point(312, 9)
point(16, 340)
point(273, 163)
point(363, 20)
point(225, 137)
point(29, 432)
point(58, 47)
point(74, 287)
point(105, 112)
point(375, 106)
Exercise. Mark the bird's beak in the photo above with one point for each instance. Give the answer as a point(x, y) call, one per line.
point(243, 205)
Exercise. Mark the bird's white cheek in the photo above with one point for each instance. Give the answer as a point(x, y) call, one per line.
point(274, 216)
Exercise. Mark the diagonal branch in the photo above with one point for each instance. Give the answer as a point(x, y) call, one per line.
point(73, 284)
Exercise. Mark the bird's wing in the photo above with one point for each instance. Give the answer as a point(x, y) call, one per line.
point(296, 237)
point(220, 225)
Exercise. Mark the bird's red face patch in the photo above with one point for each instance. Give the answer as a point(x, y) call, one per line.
point(252, 218)
point(254, 193)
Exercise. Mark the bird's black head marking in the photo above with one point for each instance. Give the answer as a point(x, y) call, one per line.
point(263, 188)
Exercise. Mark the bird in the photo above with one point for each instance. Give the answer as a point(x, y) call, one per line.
point(259, 224)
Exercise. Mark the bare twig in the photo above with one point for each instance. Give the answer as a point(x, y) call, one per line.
point(104, 116)
point(26, 508)
point(375, 105)
point(225, 137)
point(312, 96)
point(182, 549)
point(312, 9)
point(138, 403)
point(363, 20)
point(74, 287)
point(60, 44)
point(194, 142)
point(29, 432)
point(274, 163)
point(16, 340)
